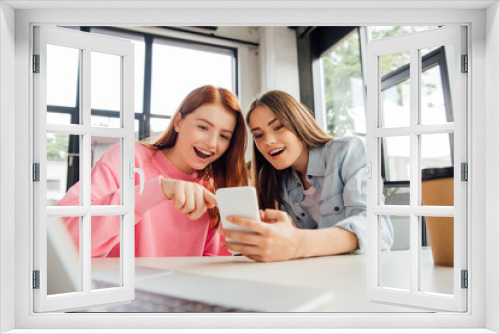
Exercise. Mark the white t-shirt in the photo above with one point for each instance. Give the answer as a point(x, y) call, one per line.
point(310, 203)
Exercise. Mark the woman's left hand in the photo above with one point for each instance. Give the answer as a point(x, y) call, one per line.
point(274, 240)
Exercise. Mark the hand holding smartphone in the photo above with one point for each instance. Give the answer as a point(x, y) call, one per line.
point(238, 201)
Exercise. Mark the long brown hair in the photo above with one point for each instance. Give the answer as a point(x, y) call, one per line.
point(295, 117)
point(230, 169)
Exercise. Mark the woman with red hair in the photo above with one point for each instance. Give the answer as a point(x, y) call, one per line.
point(201, 150)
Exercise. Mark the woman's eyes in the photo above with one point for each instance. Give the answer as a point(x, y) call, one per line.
point(205, 128)
point(260, 135)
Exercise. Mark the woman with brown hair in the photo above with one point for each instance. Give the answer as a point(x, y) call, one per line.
point(201, 150)
point(311, 178)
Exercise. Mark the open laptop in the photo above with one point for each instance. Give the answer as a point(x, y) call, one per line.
point(170, 291)
point(157, 290)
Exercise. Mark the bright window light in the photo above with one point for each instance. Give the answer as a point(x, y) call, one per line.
point(178, 70)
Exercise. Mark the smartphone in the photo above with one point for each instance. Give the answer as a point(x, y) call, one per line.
point(237, 201)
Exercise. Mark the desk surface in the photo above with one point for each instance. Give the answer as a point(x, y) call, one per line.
point(344, 275)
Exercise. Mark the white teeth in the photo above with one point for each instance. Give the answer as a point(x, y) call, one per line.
point(276, 151)
point(204, 152)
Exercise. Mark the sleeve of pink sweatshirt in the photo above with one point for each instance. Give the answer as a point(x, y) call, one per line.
point(105, 190)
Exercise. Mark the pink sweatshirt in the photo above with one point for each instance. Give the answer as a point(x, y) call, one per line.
point(160, 229)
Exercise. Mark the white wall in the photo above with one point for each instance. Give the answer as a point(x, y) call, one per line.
point(279, 60)
point(7, 170)
point(492, 162)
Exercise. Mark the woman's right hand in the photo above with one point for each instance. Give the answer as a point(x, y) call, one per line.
point(189, 198)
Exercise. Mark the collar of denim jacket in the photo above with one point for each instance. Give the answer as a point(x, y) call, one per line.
point(316, 166)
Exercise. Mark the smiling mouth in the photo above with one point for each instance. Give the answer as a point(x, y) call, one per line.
point(277, 152)
point(202, 153)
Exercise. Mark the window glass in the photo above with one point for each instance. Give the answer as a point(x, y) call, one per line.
point(395, 263)
point(62, 243)
point(158, 126)
point(112, 278)
point(433, 109)
point(59, 163)
point(435, 92)
point(139, 62)
point(395, 90)
point(106, 122)
point(376, 32)
point(106, 85)
point(343, 88)
point(58, 118)
point(396, 153)
point(62, 75)
point(99, 146)
point(436, 257)
point(177, 70)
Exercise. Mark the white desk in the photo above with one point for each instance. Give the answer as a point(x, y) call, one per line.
point(344, 275)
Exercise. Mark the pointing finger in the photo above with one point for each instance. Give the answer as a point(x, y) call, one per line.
point(210, 199)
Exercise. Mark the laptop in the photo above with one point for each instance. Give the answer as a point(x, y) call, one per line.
point(171, 291)
point(203, 293)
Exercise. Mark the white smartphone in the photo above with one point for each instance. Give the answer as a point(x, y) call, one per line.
point(237, 201)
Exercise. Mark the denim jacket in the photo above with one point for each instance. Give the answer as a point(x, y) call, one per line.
point(332, 172)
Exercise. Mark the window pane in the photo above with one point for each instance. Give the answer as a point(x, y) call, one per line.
point(395, 93)
point(103, 247)
point(139, 61)
point(158, 126)
point(436, 150)
point(394, 61)
point(395, 264)
point(58, 118)
point(178, 70)
point(99, 146)
point(106, 122)
point(63, 255)
point(377, 32)
point(437, 170)
point(343, 88)
point(136, 129)
point(105, 81)
point(62, 75)
point(59, 165)
point(437, 260)
point(435, 104)
point(397, 195)
point(432, 102)
point(396, 152)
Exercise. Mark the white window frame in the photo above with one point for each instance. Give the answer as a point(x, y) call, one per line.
point(483, 103)
point(86, 296)
point(413, 43)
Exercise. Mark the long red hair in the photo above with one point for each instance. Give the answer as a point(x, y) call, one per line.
point(230, 169)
